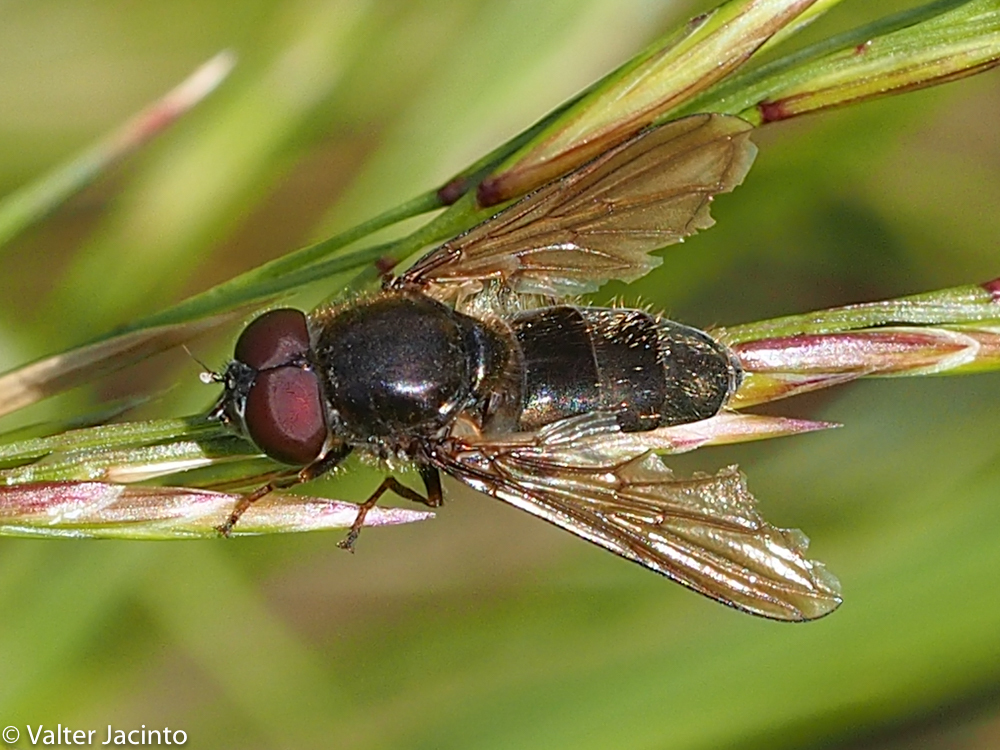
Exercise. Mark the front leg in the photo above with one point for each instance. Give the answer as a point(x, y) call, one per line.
point(313, 470)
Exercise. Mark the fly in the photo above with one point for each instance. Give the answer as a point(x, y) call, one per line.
point(472, 363)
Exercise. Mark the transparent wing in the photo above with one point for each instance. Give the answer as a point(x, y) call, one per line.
point(601, 221)
point(703, 532)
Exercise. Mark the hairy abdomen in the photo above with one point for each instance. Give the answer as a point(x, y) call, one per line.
point(650, 373)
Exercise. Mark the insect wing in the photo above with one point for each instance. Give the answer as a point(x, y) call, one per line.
point(703, 532)
point(601, 221)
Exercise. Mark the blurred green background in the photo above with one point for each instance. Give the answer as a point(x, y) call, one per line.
point(486, 628)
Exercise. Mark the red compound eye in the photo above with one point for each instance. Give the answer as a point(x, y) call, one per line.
point(273, 339)
point(284, 415)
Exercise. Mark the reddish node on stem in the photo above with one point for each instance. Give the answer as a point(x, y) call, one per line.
point(773, 111)
point(863, 47)
point(993, 287)
point(490, 192)
point(453, 190)
point(384, 265)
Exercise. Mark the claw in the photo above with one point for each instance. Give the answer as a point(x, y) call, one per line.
point(348, 541)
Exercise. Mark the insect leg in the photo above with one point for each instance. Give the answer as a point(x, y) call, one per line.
point(313, 470)
point(432, 481)
point(432, 500)
point(247, 500)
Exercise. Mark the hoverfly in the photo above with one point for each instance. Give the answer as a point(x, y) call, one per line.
point(472, 363)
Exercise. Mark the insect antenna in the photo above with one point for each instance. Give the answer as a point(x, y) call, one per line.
point(207, 374)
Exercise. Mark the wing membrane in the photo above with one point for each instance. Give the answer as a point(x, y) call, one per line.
point(601, 221)
point(703, 532)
